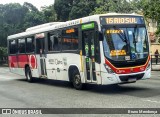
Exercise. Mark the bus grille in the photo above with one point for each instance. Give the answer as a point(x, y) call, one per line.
point(126, 78)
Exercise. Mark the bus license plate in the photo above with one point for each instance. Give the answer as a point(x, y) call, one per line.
point(132, 79)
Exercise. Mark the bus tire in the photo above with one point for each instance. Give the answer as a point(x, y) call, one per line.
point(76, 80)
point(28, 73)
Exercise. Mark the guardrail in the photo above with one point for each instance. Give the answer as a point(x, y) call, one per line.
point(3, 61)
point(155, 63)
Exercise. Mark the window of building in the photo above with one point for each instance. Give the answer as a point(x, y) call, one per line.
point(13, 47)
point(70, 39)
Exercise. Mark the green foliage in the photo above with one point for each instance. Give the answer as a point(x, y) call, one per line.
point(15, 18)
point(82, 8)
point(151, 9)
point(158, 40)
point(49, 13)
point(118, 6)
point(30, 7)
point(3, 51)
point(73, 9)
point(63, 8)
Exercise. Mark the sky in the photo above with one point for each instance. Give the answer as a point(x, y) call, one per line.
point(36, 3)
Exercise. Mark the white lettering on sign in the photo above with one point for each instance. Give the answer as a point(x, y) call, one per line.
point(121, 20)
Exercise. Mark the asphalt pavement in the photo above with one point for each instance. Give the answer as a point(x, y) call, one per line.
point(15, 92)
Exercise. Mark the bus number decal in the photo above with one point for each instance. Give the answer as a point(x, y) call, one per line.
point(55, 61)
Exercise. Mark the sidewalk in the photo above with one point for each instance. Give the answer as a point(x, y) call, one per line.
point(3, 65)
point(155, 67)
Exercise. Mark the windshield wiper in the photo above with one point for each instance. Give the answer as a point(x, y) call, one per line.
point(122, 35)
point(135, 37)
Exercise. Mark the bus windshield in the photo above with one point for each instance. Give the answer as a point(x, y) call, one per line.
point(121, 44)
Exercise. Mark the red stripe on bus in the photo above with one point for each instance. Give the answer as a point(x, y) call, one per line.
point(13, 61)
point(128, 70)
point(22, 61)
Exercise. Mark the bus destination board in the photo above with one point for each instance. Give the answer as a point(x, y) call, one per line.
point(118, 20)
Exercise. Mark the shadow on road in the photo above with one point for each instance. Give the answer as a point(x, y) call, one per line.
point(48, 82)
point(125, 89)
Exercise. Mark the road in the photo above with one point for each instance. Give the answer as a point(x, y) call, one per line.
point(15, 92)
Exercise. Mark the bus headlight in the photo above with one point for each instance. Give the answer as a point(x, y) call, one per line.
point(109, 70)
point(149, 66)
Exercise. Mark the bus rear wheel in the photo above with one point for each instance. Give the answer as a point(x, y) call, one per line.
point(76, 80)
point(28, 73)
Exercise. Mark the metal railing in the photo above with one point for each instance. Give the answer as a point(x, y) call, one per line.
point(155, 62)
point(3, 60)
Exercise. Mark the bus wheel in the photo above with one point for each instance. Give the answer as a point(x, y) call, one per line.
point(76, 80)
point(28, 73)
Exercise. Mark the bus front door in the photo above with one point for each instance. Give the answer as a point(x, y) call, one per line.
point(40, 50)
point(89, 53)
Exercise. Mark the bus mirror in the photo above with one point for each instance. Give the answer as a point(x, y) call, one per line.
point(100, 36)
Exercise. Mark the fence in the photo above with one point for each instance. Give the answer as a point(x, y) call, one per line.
point(3, 60)
point(155, 64)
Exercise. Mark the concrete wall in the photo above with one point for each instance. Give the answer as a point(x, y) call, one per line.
point(154, 47)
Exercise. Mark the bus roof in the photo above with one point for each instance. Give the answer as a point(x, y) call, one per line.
point(56, 25)
point(42, 26)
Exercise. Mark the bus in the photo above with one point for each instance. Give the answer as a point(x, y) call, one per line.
point(99, 49)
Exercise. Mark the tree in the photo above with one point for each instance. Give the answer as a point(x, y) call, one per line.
point(30, 7)
point(62, 9)
point(33, 18)
point(3, 55)
point(118, 6)
point(82, 8)
point(49, 13)
point(151, 10)
point(11, 20)
point(15, 18)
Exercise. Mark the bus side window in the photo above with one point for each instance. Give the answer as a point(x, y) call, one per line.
point(54, 42)
point(30, 45)
point(50, 42)
point(75, 40)
point(13, 47)
point(21, 46)
point(70, 39)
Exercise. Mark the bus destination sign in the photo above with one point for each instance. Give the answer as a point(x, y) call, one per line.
point(122, 20)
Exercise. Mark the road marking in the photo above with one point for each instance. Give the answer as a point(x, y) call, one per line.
point(153, 101)
point(4, 78)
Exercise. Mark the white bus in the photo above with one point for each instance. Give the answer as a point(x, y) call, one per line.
point(100, 49)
